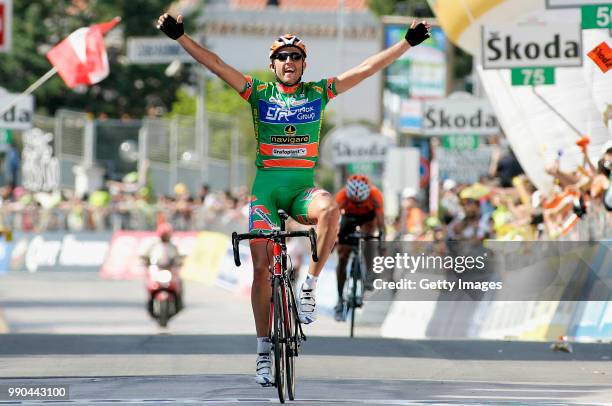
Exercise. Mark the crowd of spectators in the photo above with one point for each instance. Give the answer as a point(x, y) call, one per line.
point(122, 206)
point(505, 205)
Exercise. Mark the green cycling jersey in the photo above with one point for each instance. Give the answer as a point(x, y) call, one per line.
point(287, 123)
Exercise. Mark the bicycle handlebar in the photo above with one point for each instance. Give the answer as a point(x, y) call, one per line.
point(275, 236)
point(363, 236)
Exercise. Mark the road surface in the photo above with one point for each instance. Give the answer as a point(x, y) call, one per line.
point(94, 336)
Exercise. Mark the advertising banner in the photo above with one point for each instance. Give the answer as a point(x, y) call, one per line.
point(459, 116)
point(155, 50)
point(532, 290)
point(19, 116)
point(5, 255)
point(419, 74)
point(203, 263)
point(531, 44)
point(464, 166)
point(35, 252)
point(574, 3)
point(127, 247)
point(359, 148)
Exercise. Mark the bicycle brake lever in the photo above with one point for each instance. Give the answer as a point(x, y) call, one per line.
point(312, 235)
point(235, 248)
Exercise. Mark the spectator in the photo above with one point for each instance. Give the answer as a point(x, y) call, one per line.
point(12, 164)
point(505, 168)
point(472, 225)
point(449, 203)
point(203, 194)
point(412, 218)
point(601, 189)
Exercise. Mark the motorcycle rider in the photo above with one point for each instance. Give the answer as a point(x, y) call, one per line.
point(165, 254)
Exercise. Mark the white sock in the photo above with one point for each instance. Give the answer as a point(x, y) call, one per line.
point(263, 345)
point(310, 282)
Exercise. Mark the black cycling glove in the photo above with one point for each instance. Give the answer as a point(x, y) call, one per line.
point(172, 28)
point(416, 35)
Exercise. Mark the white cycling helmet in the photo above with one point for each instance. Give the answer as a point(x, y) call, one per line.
point(358, 188)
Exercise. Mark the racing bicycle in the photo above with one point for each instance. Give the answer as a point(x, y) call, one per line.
point(284, 327)
point(352, 294)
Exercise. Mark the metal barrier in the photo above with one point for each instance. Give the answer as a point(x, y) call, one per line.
point(134, 215)
point(175, 151)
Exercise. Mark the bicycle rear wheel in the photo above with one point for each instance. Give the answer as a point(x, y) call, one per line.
point(279, 341)
point(352, 310)
point(291, 348)
point(355, 275)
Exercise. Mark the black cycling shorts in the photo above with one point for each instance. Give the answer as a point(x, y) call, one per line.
point(348, 225)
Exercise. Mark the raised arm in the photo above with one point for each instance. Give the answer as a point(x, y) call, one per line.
point(174, 29)
point(416, 34)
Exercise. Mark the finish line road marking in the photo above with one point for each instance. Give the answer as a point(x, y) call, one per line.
point(228, 401)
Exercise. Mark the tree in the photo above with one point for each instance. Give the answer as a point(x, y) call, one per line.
point(129, 89)
point(416, 8)
point(227, 109)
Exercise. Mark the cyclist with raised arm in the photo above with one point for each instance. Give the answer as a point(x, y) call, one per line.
point(361, 205)
point(287, 115)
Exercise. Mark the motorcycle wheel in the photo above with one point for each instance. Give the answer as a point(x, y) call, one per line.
point(164, 313)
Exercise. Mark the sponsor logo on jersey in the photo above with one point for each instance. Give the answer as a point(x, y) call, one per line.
point(285, 139)
point(261, 87)
point(298, 102)
point(289, 152)
point(276, 101)
point(274, 114)
point(260, 217)
point(290, 130)
point(291, 101)
point(318, 89)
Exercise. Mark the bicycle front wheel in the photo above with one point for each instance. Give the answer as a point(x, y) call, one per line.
point(279, 340)
point(291, 348)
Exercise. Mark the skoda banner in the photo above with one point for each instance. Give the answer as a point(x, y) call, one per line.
point(354, 144)
point(19, 115)
point(533, 43)
point(459, 116)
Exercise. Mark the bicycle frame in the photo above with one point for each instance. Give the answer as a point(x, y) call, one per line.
point(279, 271)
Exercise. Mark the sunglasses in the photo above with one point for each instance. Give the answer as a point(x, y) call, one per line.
point(282, 56)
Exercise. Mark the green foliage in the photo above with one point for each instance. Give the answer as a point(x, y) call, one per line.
point(463, 63)
point(417, 8)
point(226, 108)
point(129, 89)
point(184, 104)
point(325, 178)
point(382, 7)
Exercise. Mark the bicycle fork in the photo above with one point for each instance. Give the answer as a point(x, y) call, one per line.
point(277, 273)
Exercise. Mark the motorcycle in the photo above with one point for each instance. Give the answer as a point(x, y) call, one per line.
point(164, 287)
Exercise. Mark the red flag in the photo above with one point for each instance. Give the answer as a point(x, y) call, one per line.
point(80, 59)
point(602, 56)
